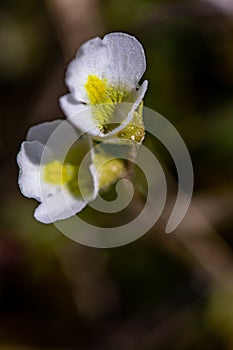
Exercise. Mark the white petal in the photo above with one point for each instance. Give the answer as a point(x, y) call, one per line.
point(58, 207)
point(91, 58)
point(42, 132)
point(119, 58)
point(29, 159)
point(58, 135)
point(79, 115)
point(127, 62)
point(70, 106)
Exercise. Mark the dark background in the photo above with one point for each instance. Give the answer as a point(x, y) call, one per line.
point(162, 291)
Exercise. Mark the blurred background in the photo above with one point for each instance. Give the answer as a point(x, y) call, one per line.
point(162, 291)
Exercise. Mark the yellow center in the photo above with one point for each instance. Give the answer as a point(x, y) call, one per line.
point(96, 89)
point(57, 173)
point(106, 97)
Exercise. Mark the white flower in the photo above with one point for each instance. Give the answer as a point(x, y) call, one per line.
point(103, 82)
point(49, 170)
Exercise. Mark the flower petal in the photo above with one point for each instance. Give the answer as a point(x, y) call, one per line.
point(70, 106)
point(119, 58)
point(58, 135)
point(79, 115)
point(29, 159)
point(91, 58)
point(42, 132)
point(58, 207)
point(127, 62)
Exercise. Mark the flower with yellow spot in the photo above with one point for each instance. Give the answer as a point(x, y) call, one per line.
point(103, 80)
point(60, 168)
point(50, 170)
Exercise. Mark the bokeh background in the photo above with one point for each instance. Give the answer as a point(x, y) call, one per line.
point(162, 291)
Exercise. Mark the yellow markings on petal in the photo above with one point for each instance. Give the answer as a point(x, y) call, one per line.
point(57, 173)
point(96, 89)
point(103, 98)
